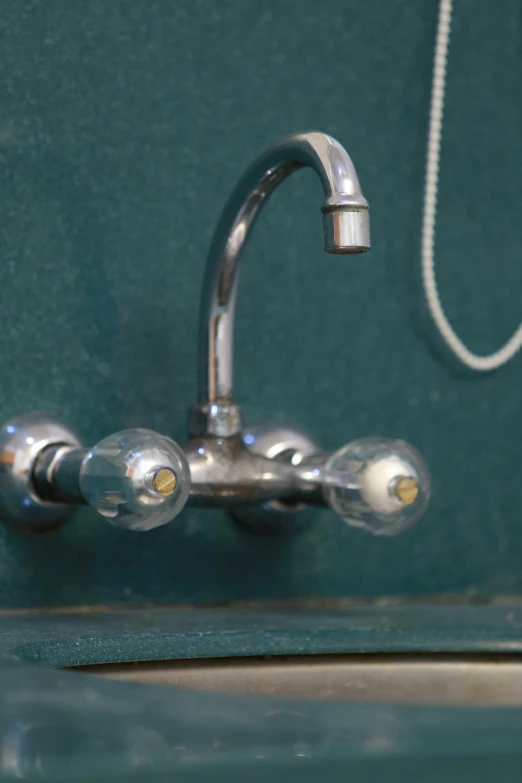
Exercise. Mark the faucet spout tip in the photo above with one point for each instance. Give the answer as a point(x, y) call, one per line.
point(346, 231)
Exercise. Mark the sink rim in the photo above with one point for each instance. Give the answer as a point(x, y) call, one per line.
point(222, 728)
point(425, 679)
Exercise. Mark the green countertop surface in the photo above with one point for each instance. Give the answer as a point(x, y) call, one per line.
point(61, 725)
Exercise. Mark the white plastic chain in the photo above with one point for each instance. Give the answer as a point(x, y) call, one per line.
point(467, 357)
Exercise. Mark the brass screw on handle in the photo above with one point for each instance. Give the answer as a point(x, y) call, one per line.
point(407, 490)
point(165, 481)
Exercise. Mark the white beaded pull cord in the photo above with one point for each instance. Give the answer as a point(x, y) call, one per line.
point(473, 361)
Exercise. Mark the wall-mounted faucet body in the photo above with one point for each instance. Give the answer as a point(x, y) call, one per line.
point(139, 479)
point(279, 470)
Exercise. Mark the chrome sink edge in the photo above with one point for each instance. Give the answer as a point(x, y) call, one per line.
point(422, 679)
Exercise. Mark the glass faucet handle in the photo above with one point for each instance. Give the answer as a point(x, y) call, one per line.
point(137, 479)
point(379, 484)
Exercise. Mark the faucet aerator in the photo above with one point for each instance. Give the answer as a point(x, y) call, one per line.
point(346, 231)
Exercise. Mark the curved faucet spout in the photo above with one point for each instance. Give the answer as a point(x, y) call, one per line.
point(346, 230)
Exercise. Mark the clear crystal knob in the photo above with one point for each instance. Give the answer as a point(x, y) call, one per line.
point(379, 484)
point(136, 479)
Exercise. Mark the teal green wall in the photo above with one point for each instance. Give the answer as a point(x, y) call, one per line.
point(123, 127)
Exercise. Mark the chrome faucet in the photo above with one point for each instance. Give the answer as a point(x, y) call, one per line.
point(265, 476)
point(346, 228)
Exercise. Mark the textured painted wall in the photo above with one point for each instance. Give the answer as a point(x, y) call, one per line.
point(123, 127)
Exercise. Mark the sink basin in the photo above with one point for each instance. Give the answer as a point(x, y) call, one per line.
point(494, 680)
